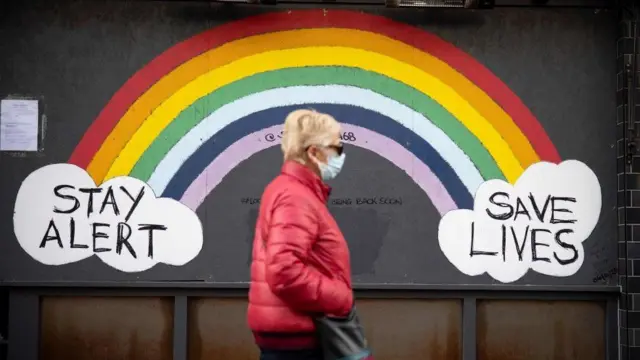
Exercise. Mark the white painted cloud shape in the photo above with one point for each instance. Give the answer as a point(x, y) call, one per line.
point(539, 223)
point(61, 216)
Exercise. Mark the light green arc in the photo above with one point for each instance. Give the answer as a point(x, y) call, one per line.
point(324, 75)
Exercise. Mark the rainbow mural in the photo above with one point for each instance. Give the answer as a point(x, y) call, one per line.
point(195, 112)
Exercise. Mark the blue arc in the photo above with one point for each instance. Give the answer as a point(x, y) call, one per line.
point(349, 114)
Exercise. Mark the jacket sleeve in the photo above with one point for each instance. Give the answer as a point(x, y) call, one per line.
point(292, 233)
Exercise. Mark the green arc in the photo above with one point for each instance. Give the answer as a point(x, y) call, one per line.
point(333, 75)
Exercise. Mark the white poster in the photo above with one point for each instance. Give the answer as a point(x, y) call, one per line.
point(19, 125)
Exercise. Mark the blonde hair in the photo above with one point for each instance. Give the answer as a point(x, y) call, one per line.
point(303, 128)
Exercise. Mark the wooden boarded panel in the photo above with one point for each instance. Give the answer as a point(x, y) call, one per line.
point(218, 330)
point(541, 330)
point(397, 329)
point(413, 329)
point(90, 328)
point(4, 322)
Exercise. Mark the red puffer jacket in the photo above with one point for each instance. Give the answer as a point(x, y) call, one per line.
point(300, 261)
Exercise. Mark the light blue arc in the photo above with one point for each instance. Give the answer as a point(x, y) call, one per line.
point(300, 95)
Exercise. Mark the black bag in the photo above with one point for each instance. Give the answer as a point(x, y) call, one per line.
point(342, 338)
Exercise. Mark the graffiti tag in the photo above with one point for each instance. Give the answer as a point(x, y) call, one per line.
point(345, 136)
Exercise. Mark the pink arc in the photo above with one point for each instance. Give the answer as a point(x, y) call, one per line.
point(367, 139)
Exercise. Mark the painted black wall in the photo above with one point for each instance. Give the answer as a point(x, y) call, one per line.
point(76, 54)
point(628, 184)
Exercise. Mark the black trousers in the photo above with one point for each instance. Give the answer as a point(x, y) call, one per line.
point(314, 354)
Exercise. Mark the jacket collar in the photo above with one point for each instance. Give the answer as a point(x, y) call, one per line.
point(308, 178)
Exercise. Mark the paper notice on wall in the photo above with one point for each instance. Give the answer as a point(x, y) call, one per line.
point(19, 125)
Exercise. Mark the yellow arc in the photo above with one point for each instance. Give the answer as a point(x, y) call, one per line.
point(179, 77)
point(319, 56)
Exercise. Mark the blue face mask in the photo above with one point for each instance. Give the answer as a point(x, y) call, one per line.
point(332, 168)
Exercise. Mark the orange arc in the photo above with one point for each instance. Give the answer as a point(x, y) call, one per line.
point(251, 45)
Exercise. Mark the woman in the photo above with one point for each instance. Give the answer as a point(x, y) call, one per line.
point(300, 266)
